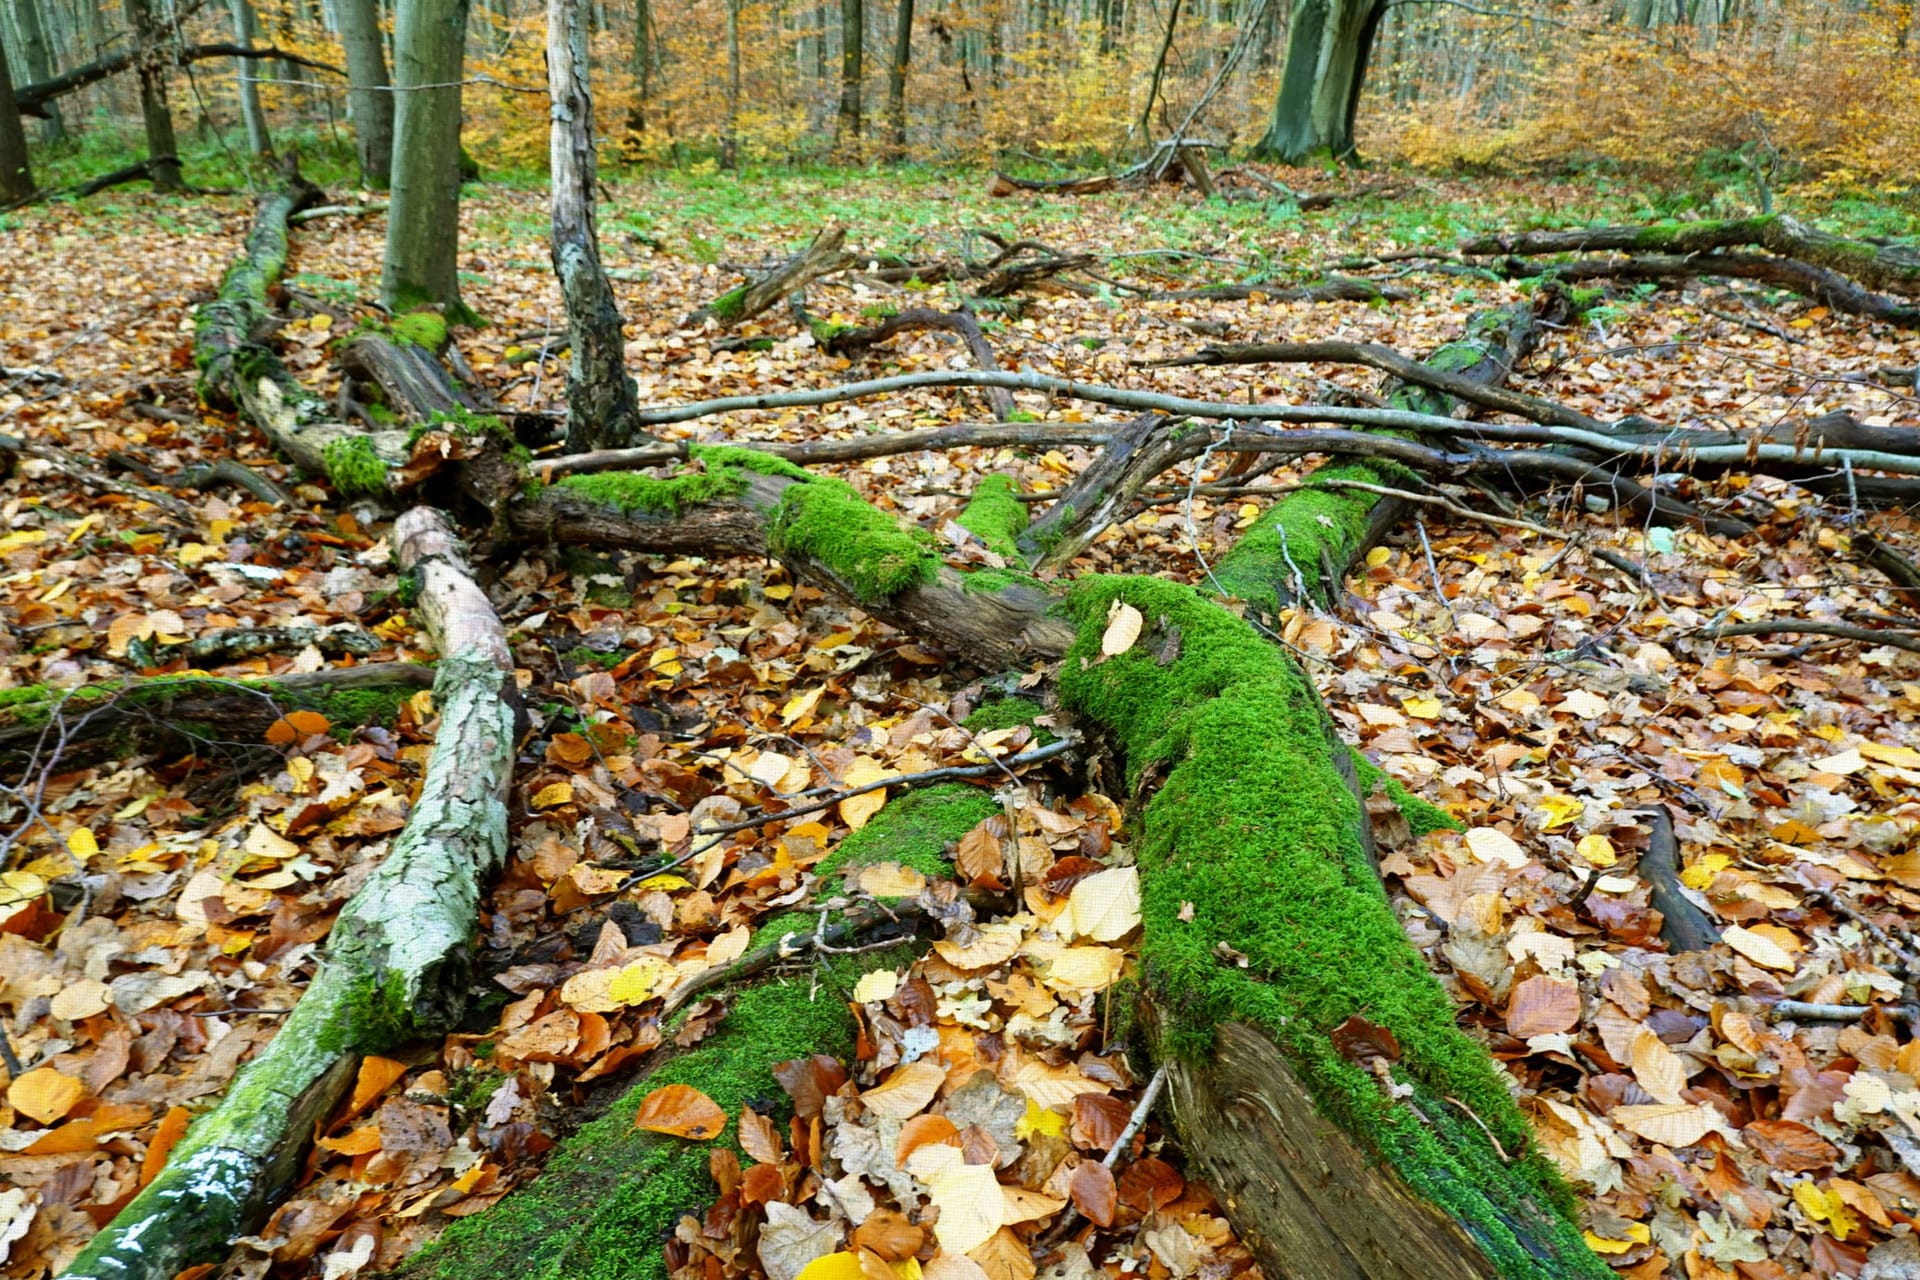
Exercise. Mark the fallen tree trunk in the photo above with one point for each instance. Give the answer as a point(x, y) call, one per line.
point(395, 963)
point(1253, 821)
point(1332, 289)
point(32, 99)
point(39, 724)
point(826, 255)
point(1817, 282)
point(962, 324)
point(1890, 268)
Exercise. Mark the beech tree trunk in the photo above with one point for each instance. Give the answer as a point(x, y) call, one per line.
point(423, 221)
point(395, 964)
point(642, 66)
point(16, 169)
point(369, 94)
point(602, 401)
point(853, 25)
point(1328, 46)
point(897, 78)
point(162, 151)
point(259, 141)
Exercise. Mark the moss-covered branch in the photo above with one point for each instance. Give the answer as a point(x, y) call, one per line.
point(1255, 825)
point(612, 1194)
point(1892, 267)
point(394, 965)
point(825, 255)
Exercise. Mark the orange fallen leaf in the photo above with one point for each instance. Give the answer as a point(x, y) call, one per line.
point(682, 1111)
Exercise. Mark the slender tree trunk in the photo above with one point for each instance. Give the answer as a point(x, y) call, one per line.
point(1328, 47)
point(259, 142)
point(369, 96)
point(897, 78)
point(601, 399)
point(429, 49)
point(729, 128)
point(161, 147)
point(36, 61)
point(1159, 70)
point(642, 65)
point(853, 22)
point(16, 174)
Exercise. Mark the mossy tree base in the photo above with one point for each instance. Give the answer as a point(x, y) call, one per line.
point(394, 965)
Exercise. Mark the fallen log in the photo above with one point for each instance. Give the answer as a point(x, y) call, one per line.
point(611, 1195)
point(1817, 282)
point(32, 99)
point(394, 967)
point(1332, 289)
point(1890, 268)
point(38, 724)
point(961, 323)
point(1246, 813)
point(1683, 925)
point(825, 255)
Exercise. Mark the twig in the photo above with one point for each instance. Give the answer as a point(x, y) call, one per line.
point(1907, 640)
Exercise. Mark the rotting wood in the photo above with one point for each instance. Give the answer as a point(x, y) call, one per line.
point(825, 255)
point(394, 967)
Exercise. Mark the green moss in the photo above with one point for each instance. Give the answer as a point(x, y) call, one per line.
point(996, 516)
point(635, 494)
point(1005, 713)
point(728, 306)
point(988, 581)
point(1253, 834)
point(1293, 540)
point(872, 553)
point(612, 1193)
point(421, 328)
point(1423, 817)
point(382, 415)
point(919, 827)
point(723, 456)
point(354, 467)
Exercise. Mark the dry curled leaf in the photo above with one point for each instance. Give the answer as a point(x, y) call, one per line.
point(681, 1111)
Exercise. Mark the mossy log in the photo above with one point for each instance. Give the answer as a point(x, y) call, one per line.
point(607, 1202)
point(394, 968)
point(1304, 543)
point(825, 255)
point(194, 712)
point(412, 383)
point(238, 368)
point(1245, 811)
point(1894, 268)
point(1822, 284)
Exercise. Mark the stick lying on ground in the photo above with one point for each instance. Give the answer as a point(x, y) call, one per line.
point(395, 962)
point(824, 256)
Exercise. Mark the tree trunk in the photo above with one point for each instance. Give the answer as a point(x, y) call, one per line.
point(729, 129)
point(158, 118)
point(259, 142)
point(1327, 50)
point(369, 94)
point(423, 237)
point(642, 66)
point(1144, 124)
point(602, 401)
point(853, 25)
point(16, 170)
point(897, 79)
point(37, 60)
point(395, 966)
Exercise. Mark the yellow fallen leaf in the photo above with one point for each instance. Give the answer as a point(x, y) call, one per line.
point(1597, 850)
point(1492, 845)
point(890, 880)
point(1759, 948)
point(857, 811)
point(45, 1094)
point(1637, 1233)
point(906, 1092)
point(553, 795)
point(876, 984)
point(1898, 757)
point(81, 843)
point(1423, 707)
point(1827, 1207)
point(990, 944)
point(1081, 969)
point(1702, 872)
point(1041, 1120)
point(833, 1266)
point(1560, 810)
point(1123, 629)
point(971, 1206)
point(1106, 905)
point(639, 981)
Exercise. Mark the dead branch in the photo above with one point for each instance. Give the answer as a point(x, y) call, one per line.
point(1908, 639)
point(1683, 925)
point(961, 323)
point(826, 255)
point(32, 99)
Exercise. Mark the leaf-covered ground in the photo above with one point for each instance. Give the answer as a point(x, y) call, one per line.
point(159, 911)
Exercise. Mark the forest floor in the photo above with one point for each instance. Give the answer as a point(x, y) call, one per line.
point(1542, 696)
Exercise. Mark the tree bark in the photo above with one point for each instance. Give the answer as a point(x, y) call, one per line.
point(259, 141)
point(1889, 268)
point(1328, 46)
point(369, 94)
point(37, 60)
point(154, 112)
point(423, 240)
point(853, 25)
point(1159, 69)
point(642, 66)
point(16, 168)
point(395, 963)
point(897, 78)
point(602, 401)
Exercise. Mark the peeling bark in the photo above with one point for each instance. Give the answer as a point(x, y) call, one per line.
point(394, 967)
